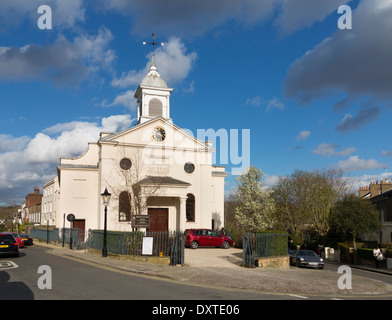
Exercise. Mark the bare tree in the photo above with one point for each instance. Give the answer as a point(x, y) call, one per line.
point(306, 197)
point(327, 187)
point(290, 202)
point(130, 181)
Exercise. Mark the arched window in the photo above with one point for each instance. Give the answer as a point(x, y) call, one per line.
point(155, 107)
point(190, 208)
point(124, 212)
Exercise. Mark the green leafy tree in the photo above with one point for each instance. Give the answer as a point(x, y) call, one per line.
point(355, 217)
point(255, 206)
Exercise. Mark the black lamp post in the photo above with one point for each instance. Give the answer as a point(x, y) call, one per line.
point(105, 202)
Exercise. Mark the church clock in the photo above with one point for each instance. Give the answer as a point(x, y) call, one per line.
point(159, 134)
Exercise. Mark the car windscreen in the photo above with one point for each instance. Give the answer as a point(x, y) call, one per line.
point(6, 238)
point(306, 253)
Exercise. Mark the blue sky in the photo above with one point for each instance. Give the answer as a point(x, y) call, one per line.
point(311, 94)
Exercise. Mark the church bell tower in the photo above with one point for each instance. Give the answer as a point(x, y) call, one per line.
point(153, 95)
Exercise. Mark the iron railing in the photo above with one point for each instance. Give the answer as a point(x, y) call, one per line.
point(257, 245)
point(64, 235)
point(167, 244)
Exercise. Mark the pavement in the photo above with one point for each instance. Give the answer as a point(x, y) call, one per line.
point(221, 268)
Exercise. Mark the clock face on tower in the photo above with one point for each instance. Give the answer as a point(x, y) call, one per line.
point(159, 134)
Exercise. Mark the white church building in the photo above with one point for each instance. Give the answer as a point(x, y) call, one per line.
point(154, 168)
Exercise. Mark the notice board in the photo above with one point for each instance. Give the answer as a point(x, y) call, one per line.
point(147, 246)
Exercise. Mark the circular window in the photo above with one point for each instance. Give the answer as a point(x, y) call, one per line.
point(125, 164)
point(189, 167)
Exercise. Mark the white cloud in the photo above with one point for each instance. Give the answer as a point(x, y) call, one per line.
point(296, 15)
point(125, 99)
point(270, 181)
point(191, 17)
point(386, 153)
point(303, 135)
point(364, 180)
point(364, 116)
point(329, 149)
point(65, 14)
point(354, 163)
point(31, 162)
point(274, 103)
point(257, 101)
point(63, 62)
point(72, 140)
point(254, 102)
point(173, 63)
point(343, 59)
point(9, 143)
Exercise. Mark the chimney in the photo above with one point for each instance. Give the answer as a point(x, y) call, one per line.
point(375, 189)
point(36, 190)
point(386, 185)
point(362, 191)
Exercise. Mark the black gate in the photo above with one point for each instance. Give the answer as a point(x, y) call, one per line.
point(248, 251)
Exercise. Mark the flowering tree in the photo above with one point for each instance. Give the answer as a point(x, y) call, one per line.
point(255, 206)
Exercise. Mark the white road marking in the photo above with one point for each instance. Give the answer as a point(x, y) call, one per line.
point(298, 296)
point(5, 265)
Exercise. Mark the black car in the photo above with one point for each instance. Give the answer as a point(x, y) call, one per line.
point(28, 241)
point(306, 258)
point(8, 244)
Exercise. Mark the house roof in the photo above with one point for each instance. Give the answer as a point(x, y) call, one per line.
point(163, 180)
point(384, 195)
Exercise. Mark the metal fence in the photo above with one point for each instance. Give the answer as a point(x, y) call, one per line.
point(64, 235)
point(257, 245)
point(170, 243)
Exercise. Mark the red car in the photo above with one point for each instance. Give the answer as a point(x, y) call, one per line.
point(195, 238)
point(18, 238)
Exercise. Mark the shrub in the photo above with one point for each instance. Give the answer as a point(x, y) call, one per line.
point(365, 253)
point(271, 243)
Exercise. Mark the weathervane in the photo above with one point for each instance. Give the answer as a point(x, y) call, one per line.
point(153, 43)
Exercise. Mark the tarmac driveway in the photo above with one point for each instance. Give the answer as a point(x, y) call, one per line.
point(213, 257)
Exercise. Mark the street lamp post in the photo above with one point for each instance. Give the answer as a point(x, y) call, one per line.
point(105, 202)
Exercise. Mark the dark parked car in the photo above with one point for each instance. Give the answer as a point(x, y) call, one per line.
point(28, 241)
point(306, 258)
point(195, 238)
point(8, 244)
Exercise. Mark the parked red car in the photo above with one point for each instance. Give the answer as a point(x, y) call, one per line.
point(195, 238)
point(18, 238)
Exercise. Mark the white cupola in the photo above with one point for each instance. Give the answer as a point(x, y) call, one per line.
point(153, 96)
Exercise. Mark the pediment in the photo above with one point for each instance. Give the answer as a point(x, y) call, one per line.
point(142, 135)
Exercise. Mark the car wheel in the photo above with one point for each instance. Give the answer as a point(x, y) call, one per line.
point(194, 245)
point(225, 245)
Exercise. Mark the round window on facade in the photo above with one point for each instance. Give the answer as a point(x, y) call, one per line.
point(125, 164)
point(189, 167)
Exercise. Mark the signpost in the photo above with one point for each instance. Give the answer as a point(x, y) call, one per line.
point(71, 219)
point(141, 221)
